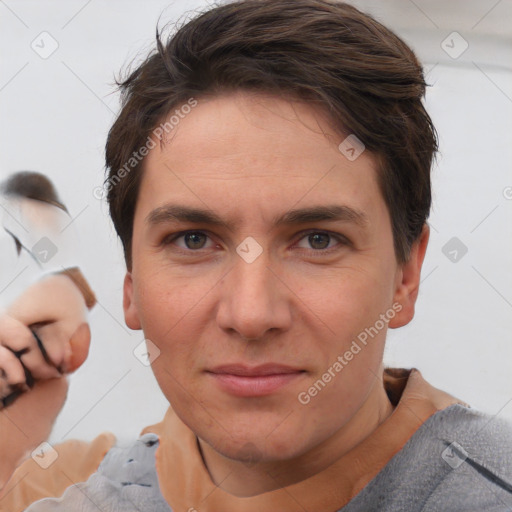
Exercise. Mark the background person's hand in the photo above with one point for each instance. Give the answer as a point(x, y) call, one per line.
point(26, 359)
point(21, 359)
point(44, 335)
point(37, 333)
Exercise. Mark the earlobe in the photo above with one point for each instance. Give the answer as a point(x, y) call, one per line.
point(131, 315)
point(408, 281)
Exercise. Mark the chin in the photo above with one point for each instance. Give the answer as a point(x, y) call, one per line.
point(254, 447)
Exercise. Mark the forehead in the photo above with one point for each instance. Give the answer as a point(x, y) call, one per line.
point(254, 153)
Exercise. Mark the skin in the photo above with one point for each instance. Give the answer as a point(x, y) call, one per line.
point(55, 309)
point(250, 158)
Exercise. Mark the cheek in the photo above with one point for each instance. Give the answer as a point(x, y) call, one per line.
point(165, 297)
point(350, 299)
point(341, 398)
point(173, 316)
point(349, 304)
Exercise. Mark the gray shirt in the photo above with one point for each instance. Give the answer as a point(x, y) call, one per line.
point(458, 460)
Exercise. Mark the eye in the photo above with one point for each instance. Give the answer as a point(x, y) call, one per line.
point(317, 241)
point(320, 241)
point(192, 240)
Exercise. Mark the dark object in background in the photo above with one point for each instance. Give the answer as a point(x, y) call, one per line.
point(32, 185)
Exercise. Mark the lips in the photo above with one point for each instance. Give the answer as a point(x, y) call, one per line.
point(255, 371)
point(246, 381)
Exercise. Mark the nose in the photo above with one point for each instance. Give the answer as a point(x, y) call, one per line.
point(254, 300)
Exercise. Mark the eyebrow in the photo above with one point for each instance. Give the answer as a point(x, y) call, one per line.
point(180, 213)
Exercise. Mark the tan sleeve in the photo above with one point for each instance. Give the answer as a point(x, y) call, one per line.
point(76, 462)
point(78, 278)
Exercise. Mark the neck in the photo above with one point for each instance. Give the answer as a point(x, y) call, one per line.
point(243, 480)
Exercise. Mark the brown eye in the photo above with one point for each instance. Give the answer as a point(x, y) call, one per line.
point(319, 243)
point(195, 240)
point(319, 240)
point(188, 241)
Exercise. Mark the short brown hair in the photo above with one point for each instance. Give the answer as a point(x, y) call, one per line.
point(325, 52)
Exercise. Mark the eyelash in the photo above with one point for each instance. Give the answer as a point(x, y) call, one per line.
point(343, 241)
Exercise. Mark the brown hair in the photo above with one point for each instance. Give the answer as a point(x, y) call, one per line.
point(321, 51)
point(32, 185)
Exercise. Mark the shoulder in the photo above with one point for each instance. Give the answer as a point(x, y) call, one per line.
point(126, 479)
point(458, 460)
point(52, 469)
point(473, 452)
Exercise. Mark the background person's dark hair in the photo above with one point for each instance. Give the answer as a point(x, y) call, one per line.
point(327, 53)
point(32, 185)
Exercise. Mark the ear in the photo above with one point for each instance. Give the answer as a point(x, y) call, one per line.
point(131, 314)
point(408, 281)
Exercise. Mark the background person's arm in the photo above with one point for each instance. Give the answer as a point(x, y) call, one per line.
point(55, 309)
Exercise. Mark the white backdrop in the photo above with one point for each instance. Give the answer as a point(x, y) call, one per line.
point(55, 114)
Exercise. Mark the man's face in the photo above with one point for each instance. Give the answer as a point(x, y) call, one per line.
point(211, 299)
